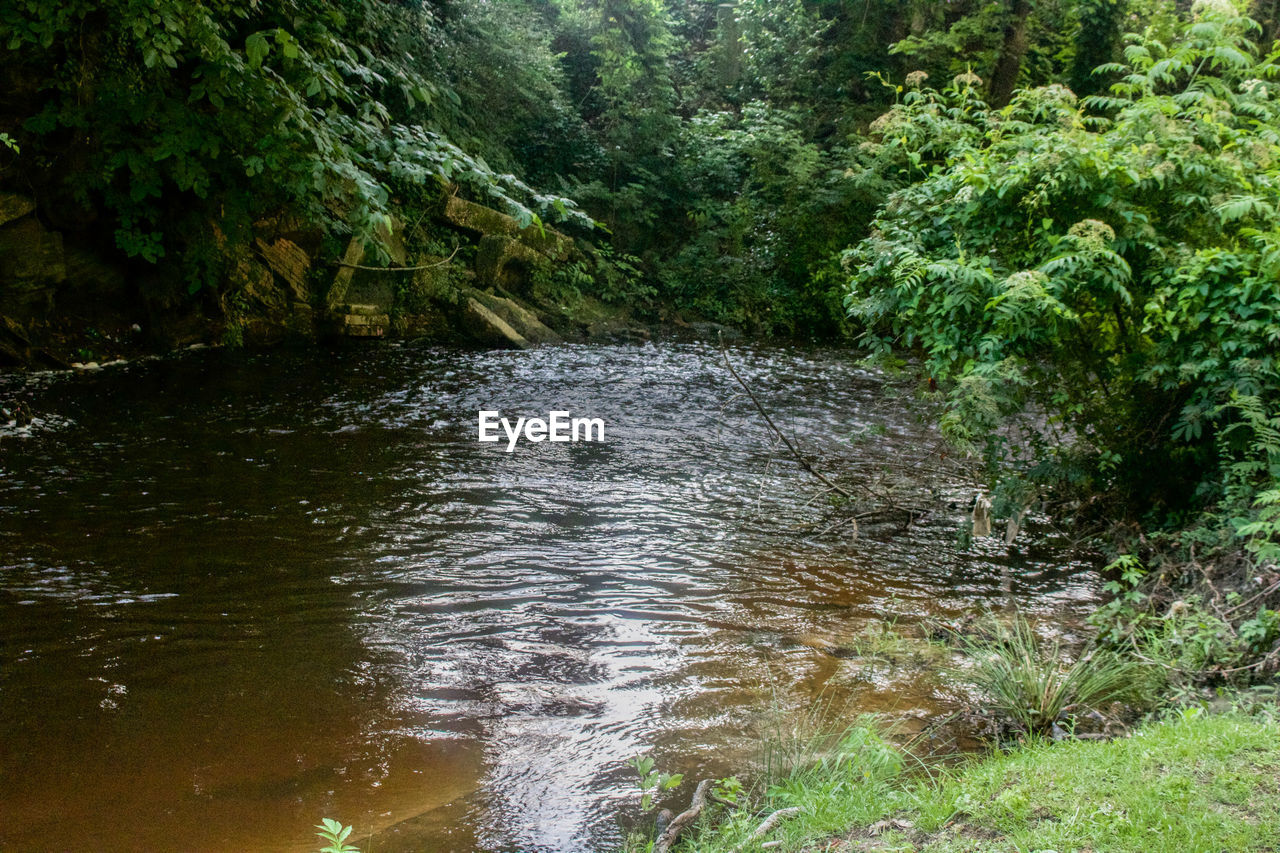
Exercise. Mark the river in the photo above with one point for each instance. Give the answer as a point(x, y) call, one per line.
point(242, 592)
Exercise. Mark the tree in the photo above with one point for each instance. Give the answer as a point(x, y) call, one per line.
point(1012, 51)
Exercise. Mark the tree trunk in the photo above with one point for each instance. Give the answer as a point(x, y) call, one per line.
point(1267, 14)
point(1009, 65)
point(1101, 24)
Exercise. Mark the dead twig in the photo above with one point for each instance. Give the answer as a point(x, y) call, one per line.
point(848, 519)
point(1247, 602)
point(1263, 661)
point(821, 494)
point(682, 820)
point(804, 463)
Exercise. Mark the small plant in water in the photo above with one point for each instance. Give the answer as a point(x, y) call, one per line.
point(336, 835)
point(652, 782)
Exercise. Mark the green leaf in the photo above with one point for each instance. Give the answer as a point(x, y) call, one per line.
point(256, 47)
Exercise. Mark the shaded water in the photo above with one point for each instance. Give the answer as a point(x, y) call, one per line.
point(242, 593)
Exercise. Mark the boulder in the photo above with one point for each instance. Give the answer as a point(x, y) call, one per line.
point(428, 322)
point(488, 328)
point(486, 221)
point(299, 230)
point(14, 206)
point(439, 281)
point(525, 322)
point(254, 288)
point(287, 260)
point(32, 264)
point(365, 325)
point(302, 323)
point(262, 306)
point(502, 262)
point(361, 321)
point(15, 346)
point(617, 330)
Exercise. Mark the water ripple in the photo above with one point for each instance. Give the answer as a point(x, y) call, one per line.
point(250, 591)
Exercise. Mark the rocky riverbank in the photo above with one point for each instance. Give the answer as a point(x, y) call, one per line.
point(462, 273)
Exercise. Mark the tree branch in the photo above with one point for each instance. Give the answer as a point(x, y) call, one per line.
point(396, 269)
point(804, 463)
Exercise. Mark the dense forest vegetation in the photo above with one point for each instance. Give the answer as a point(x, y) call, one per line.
point(1066, 208)
point(1059, 220)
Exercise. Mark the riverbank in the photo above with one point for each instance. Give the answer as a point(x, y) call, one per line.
point(1194, 780)
point(453, 272)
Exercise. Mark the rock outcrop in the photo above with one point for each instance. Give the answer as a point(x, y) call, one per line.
point(488, 328)
point(32, 259)
point(256, 306)
point(56, 299)
point(14, 206)
point(486, 221)
point(525, 322)
point(289, 261)
point(363, 321)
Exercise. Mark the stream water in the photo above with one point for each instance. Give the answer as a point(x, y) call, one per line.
point(240, 593)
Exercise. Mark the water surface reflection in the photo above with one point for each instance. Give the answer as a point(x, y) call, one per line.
point(241, 593)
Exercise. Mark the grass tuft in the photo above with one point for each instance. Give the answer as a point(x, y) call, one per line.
point(1025, 677)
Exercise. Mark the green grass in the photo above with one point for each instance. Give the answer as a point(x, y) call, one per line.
point(1195, 782)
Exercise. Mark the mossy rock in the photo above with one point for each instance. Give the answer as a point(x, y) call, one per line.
point(32, 265)
point(488, 328)
point(14, 206)
point(502, 262)
point(519, 317)
point(486, 222)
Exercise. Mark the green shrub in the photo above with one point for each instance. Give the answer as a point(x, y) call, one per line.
point(1095, 284)
point(178, 114)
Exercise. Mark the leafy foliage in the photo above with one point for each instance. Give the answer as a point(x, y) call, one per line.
point(336, 835)
point(1096, 281)
point(652, 782)
point(1199, 637)
point(178, 110)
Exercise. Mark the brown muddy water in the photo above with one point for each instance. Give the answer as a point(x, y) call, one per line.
point(240, 593)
